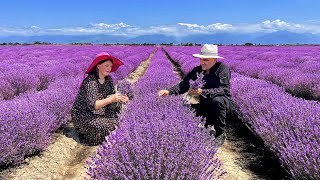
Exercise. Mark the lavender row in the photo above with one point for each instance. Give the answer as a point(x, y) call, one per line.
point(289, 126)
point(33, 68)
point(155, 135)
point(294, 68)
point(28, 121)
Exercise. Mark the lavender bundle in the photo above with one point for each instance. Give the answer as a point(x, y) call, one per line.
point(198, 83)
point(195, 84)
point(125, 87)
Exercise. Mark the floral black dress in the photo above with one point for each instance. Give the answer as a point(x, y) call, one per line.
point(94, 125)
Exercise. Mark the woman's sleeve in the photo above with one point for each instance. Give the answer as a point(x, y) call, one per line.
point(91, 95)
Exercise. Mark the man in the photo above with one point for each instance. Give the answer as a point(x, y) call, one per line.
point(215, 98)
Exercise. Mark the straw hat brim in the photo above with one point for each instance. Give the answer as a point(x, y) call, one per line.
point(103, 56)
point(206, 56)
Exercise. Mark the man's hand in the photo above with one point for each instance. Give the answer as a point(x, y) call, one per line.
point(195, 92)
point(163, 92)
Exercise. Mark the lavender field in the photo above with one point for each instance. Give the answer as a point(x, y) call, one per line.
point(276, 90)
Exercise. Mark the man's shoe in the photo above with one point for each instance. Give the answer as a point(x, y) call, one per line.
point(212, 131)
point(219, 140)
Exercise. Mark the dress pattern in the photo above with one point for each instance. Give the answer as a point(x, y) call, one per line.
point(94, 125)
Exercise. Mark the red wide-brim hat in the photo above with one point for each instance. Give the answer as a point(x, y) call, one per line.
point(103, 56)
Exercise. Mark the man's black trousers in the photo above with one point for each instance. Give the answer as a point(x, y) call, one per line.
point(215, 111)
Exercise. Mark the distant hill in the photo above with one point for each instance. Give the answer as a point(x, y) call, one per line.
point(280, 37)
point(220, 38)
point(65, 39)
point(285, 37)
point(155, 39)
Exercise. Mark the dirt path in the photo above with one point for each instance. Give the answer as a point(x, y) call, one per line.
point(231, 153)
point(248, 155)
point(133, 77)
point(66, 157)
point(231, 162)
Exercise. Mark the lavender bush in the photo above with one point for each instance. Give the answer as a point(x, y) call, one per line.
point(24, 130)
point(21, 80)
point(6, 90)
point(289, 126)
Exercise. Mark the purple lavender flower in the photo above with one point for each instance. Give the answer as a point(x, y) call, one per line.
point(198, 83)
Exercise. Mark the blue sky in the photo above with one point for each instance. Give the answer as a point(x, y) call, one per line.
point(136, 17)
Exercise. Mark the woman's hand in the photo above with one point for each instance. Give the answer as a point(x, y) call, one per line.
point(116, 97)
point(124, 100)
point(195, 92)
point(163, 92)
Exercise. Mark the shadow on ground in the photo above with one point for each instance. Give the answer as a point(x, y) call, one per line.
point(254, 155)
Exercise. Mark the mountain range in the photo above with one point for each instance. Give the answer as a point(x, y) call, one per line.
point(279, 37)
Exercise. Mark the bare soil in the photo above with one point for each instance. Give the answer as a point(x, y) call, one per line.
point(245, 157)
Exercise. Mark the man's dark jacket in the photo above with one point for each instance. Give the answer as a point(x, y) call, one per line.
point(217, 83)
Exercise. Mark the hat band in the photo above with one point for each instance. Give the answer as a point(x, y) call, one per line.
point(209, 54)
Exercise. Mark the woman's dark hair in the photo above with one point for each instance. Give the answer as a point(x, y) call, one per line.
point(95, 72)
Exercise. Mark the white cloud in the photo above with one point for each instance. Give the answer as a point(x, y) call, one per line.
point(179, 29)
point(164, 29)
point(161, 29)
point(207, 29)
point(189, 25)
point(281, 25)
point(109, 26)
point(94, 28)
point(35, 27)
point(24, 30)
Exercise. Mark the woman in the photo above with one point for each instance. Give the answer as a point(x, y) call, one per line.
point(94, 112)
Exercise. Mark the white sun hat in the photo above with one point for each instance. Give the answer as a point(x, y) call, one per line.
point(208, 51)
